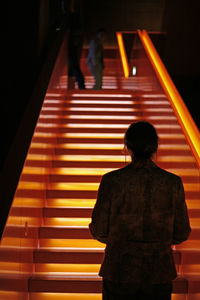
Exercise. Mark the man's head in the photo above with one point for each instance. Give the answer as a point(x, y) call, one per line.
point(141, 140)
point(101, 33)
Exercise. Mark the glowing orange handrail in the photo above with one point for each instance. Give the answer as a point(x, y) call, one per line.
point(123, 55)
point(187, 123)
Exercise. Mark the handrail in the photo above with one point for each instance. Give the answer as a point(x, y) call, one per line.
point(123, 54)
point(186, 121)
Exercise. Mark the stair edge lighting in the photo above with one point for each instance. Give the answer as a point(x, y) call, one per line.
point(188, 125)
point(123, 54)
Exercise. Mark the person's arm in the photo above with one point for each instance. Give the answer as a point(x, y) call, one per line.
point(99, 227)
point(181, 222)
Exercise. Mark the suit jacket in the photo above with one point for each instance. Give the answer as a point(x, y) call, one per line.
point(139, 213)
point(95, 54)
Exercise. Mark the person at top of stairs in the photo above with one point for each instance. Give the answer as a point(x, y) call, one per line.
point(95, 59)
point(139, 214)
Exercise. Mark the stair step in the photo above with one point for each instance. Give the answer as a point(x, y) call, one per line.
point(77, 256)
point(62, 120)
point(65, 284)
point(98, 128)
point(71, 243)
point(84, 284)
point(63, 296)
point(71, 212)
point(81, 232)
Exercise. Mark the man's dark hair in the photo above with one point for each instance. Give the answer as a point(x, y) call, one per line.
point(142, 139)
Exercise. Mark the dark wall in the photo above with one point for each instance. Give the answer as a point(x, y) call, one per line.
point(118, 15)
point(27, 31)
point(182, 50)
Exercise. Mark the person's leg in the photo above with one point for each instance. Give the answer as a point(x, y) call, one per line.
point(70, 78)
point(79, 77)
point(98, 77)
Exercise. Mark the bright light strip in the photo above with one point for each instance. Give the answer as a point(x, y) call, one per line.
point(169, 118)
point(72, 203)
point(51, 101)
point(103, 95)
point(71, 243)
point(31, 185)
point(101, 102)
point(105, 117)
point(187, 123)
point(156, 102)
point(47, 125)
point(75, 186)
point(115, 109)
point(123, 54)
point(49, 116)
point(95, 135)
point(176, 136)
point(158, 109)
point(92, 146)
point(167, 126)
point(153, 96)
point(53, 94)
point(107, 158)
point(175, 158)
point(60, 221)
point(50, 109)
point(80, 171)
point(174, 147)
point(85, 125)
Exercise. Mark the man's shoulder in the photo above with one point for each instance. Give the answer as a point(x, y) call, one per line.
point(168, 173)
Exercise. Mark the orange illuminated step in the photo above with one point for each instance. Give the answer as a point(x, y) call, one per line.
point(17, 242)
point(67, 221)
point(71, 243)
point(102, 135)
point(104, 95)
point(74, 186)
point(67, 269)
point(65, 296)
point(82, 284)
point(112, 158)
point(17, 220)
point(65, 232)
point(29, 202)
point(78, 203)
point(66, 212)
point(173, 158)
point(80, 172)
point(12, 295)
point(78, 256)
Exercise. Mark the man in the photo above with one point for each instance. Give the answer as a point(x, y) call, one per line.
point(139, 214)
point(95, 59)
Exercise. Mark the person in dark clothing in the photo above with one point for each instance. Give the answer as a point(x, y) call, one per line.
point(139, 214)
point(95, 59)
point(74, 50)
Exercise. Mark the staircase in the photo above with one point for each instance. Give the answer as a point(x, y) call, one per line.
point(78, 138)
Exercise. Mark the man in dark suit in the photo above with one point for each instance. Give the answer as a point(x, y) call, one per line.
point(139, 214)
point(95, 59)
